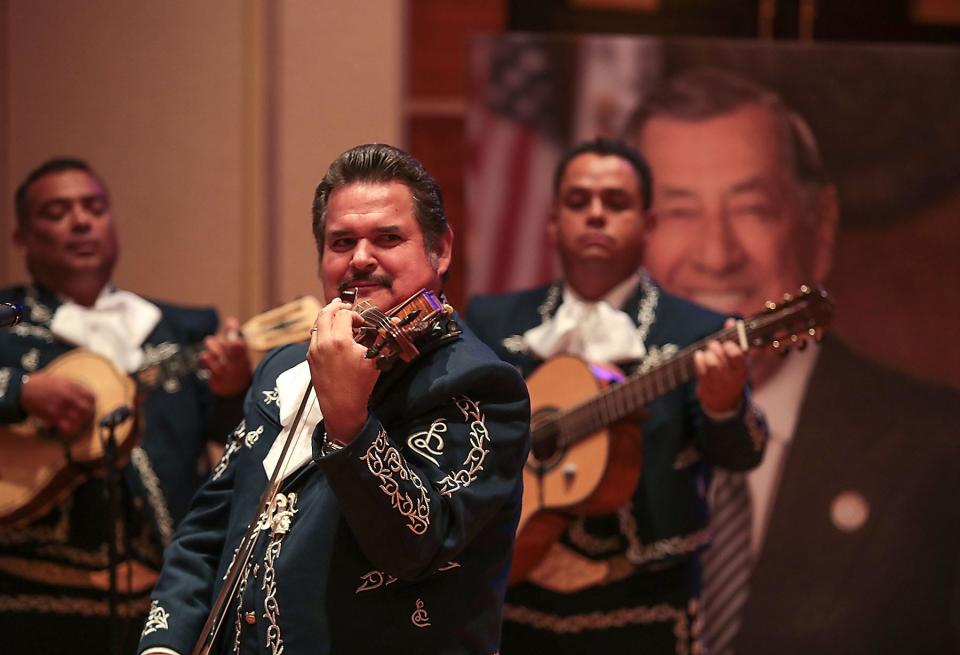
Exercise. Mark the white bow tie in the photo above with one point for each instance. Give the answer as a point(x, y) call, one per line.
point(291, 385)
point(594, 331)
point(114, 327)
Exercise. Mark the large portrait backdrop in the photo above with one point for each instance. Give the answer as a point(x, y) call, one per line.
point(886, 120)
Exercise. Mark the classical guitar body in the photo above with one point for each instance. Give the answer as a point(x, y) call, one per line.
point(37, 469)
point(595, 475)
point(586, 450)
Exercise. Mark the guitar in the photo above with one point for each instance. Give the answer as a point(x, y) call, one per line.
point(38, 469)
point(585, 450)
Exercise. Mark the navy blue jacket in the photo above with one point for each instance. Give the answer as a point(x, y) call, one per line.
point(399, 542)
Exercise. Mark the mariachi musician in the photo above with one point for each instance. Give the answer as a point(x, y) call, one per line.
point(57, 594)
point(626, 581)
point(393, 527)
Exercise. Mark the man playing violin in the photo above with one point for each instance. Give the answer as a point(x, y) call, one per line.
point(54, 566)
point(626, 581)
point(398, 482)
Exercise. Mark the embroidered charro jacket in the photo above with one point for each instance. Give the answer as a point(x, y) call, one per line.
point(665, 521)
point(57, 564)
point(399, 542)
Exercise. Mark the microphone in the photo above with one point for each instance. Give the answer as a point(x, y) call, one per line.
point(10, 314)
point(116, 417)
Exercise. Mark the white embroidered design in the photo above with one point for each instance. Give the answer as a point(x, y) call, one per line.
point(577, 623)
point(473, 462)
point(278, 519)
point(656, 355)
point(515, 343)
point(386, 463)
point(271, 397)
point(157, 619)
point(141, 461)
point(648, 307)
point(422, 443)
point(36, 331)
point(39, 313)
point(30, 360)
point(377, 579)
point(233, 445)
point(420, 618)
point(4, 381)
point(252, 436)
point(374, 580)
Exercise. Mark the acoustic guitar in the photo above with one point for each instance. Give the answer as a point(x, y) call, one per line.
point(39, 468)
point(585, 451)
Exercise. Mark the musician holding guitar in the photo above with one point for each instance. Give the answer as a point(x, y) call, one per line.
point(615, 569)
point(367, 503)
point(55, 563)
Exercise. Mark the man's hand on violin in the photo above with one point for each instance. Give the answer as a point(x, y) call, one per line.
point(60, 403)
point(225, 357)
point(342, 375)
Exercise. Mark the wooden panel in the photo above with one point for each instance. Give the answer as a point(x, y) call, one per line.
point(439, 30)
point(439, 143)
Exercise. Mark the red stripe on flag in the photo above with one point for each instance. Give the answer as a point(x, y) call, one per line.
point(518, 175)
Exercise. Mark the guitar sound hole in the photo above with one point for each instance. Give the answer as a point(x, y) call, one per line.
point(544, 435)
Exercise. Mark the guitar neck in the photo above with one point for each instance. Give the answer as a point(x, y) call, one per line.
point(169, 367)
point(618, 401)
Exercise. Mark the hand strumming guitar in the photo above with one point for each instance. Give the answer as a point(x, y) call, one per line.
point(63, 404)
point(225, 357)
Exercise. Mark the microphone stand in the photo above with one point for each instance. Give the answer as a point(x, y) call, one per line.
point(108, 441)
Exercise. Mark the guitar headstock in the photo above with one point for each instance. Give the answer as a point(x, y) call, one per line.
point(404, 331)
point(792, 321)
point(288, 323)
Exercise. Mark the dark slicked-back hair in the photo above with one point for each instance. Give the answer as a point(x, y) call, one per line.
point(49, 167)
point(703, 93)
point(608, 147)
point(379, 163)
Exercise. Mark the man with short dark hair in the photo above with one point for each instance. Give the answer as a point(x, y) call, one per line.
point(55, 559)
point(393, 528)
point(855, 528)
point(629, 580)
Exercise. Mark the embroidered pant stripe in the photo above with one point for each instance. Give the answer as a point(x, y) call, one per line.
point(726, 562)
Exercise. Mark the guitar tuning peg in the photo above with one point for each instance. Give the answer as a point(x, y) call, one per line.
point(770, 306)
point(787, 298)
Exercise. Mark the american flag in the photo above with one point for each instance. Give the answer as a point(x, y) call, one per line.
point(531, 97)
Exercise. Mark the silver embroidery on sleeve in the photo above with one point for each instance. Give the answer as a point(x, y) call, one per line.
point(473, 462)
point(4, 381)
point(429, 443)
point(157, 619)
point(386, 463)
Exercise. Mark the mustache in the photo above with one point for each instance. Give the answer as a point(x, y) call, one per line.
point(349, 282)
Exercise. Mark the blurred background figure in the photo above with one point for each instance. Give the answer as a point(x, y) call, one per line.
point(55, 561)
